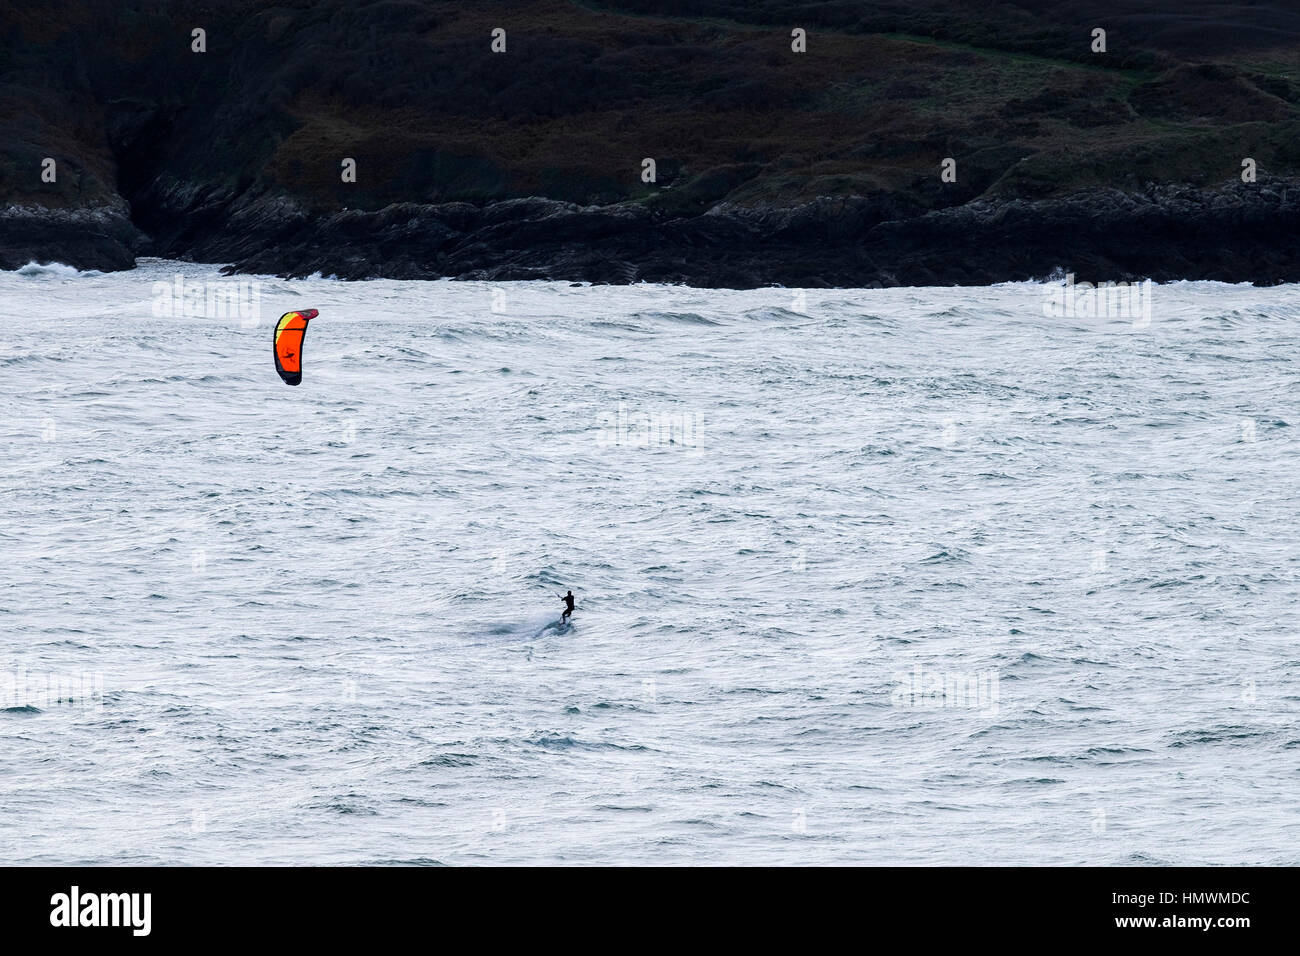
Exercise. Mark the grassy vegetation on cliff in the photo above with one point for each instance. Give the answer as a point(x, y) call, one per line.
point(709, 88)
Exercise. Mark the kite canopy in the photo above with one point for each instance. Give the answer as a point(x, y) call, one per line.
point(290, 332)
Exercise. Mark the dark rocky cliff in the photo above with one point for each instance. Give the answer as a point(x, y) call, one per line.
point(816, 168)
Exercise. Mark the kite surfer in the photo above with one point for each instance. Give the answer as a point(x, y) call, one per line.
point(568, 606)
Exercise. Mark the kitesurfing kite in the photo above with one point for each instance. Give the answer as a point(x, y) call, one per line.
point(290, 332)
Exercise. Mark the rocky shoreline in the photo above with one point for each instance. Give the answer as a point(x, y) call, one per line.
point(1237, 233)
point(624, 141)
point(95, 237)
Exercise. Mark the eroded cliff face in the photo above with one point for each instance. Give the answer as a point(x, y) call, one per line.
point(771, 166)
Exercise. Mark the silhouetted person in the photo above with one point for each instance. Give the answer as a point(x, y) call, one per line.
point(568, 607)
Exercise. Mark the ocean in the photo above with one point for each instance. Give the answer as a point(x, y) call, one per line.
point(891, 576)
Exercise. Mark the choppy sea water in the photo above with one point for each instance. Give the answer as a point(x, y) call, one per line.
point(910, 576)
